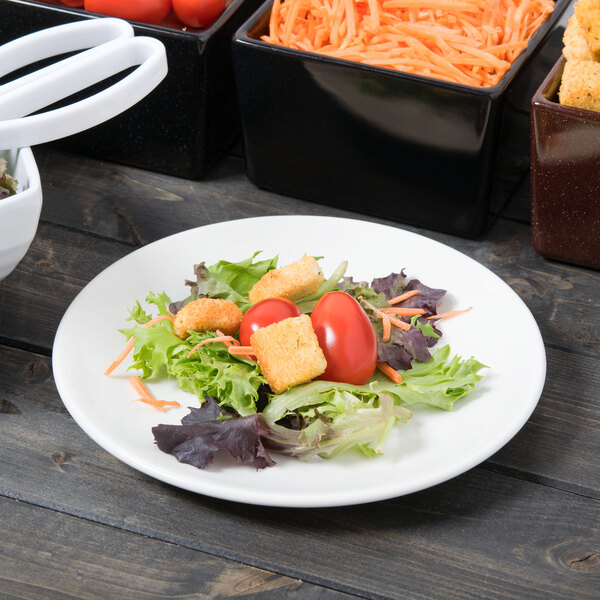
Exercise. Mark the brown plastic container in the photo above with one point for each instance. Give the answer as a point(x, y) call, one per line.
point(565, 177)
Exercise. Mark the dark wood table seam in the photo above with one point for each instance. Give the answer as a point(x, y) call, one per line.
point(26, 346)
point(92, 234)
point(549, 482)
point(224, 554)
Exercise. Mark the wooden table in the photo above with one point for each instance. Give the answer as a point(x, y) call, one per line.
point(77, 523)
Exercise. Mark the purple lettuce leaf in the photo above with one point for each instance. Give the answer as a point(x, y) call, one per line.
point(428, 299)
point(429, 339)
point(391, 286)
point(209, 410)
point(403, 348)
point(200, 436)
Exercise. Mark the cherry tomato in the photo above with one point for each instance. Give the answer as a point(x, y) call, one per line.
point(198, 13)
point(347, 338)
point(145, 11)
point(266, 312)
point(73, 3)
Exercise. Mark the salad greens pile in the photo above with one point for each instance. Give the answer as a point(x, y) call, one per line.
point(238, 411)
point(8, 185)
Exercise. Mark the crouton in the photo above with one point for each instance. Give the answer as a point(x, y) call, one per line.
point(580, 85)
point(207, 314)
point(294, 281)
point(575, 46)
point(588, 17)
point(288, 353)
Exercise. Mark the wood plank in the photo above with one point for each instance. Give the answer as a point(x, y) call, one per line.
point(136, 207)
point(560, 444)
point(481, 535)
point(37, 293)
point(47, 555)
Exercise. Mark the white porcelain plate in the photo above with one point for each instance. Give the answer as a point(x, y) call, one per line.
point(433, 447)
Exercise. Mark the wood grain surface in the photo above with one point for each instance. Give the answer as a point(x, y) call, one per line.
point(75, 522)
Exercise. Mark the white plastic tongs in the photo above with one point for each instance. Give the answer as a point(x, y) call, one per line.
point(109, 48)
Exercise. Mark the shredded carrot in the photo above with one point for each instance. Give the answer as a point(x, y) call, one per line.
point(147, 397)
point(404, 312)
point(390, 372)
point(122, 356)
point(403, 297)
point(227, 339)
point(400, 324)
point(471, 42)
point(245, 351)
point(387, 329)
point(379, 313)
point(129, 346)
point(450, 313)
point(227, 342)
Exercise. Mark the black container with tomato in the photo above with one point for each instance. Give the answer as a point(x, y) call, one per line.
point(189, 120)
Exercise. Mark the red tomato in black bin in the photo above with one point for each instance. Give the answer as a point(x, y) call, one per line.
point(347, 338)
point(145, 11)
point(198, 13)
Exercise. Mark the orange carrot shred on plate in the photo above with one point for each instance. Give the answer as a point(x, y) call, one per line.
point(450, 313)
point(382, 315)
point(403, 297)
point(399, 324)
point(147, 397)
point(390, 372)
point(404, 312)
point(129, 346)
point(245, 351)
point(122, 356)
point(457, 37)
point(228, 340)
point(387, 329)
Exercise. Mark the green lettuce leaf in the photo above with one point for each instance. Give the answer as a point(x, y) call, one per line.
point(341, 416)
point(211, 371)
point(340, 422)
point(228, 280)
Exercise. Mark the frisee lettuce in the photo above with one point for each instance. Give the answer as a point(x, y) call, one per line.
point(227, 280)
point(212, 370)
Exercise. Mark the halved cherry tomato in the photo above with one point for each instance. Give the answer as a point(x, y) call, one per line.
point(145, 11)
point(347, 338)
point(198, 13)
point(266, 312)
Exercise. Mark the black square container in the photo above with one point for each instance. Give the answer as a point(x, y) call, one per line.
point(372, 140)
point(187, 121)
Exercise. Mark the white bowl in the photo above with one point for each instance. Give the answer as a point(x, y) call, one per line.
point(19, 214)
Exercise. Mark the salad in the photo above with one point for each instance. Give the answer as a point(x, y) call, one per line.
point(284, 360)
point(8, 185)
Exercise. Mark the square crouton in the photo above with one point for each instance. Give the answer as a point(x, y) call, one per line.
point(588, 17)
point(293, 281)
point(575, 46)
point(580, 85)
point(288, 353)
